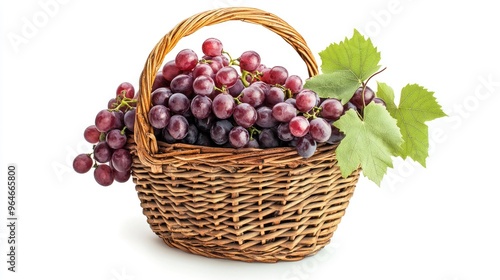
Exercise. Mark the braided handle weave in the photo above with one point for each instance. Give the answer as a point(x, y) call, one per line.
point(144, 137)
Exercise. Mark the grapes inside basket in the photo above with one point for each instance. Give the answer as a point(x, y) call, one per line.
point(236, 159)
point(215, 99)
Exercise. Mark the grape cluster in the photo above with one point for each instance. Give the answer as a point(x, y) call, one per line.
point(215, 100)
point(110, 157)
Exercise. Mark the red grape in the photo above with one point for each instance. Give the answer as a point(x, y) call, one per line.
point(103, 175)
point(82, 163)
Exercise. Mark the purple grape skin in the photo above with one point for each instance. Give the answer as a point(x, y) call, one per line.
point(82, 163)
point(201, 106)
point(121, 160)
point(306, 146)
point(129, 119)
point(159, 116)
point(265, 117)
point(102, 152)
point(245, 115)
point(115, 139)
point(320, 130)
point(178, 127)
point(238, 137)
point(160, 96)
point(223, 106)
point(219, 132)
point(103, 175)
point(105, 120)
point(268, 138)
point(178, 103)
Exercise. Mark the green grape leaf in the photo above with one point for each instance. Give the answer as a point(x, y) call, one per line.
point(417, 105)
point(369, 142)
point(356, 55)
point(340, 84)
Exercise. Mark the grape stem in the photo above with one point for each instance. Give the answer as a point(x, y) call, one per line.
point(364, 84)
point(253, 131)
point(231, 60)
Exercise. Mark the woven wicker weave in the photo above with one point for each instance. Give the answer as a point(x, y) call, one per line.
point(240, 204)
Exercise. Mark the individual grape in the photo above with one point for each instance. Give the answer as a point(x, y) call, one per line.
point(380, 101)
point(219, 132)
point(336, 136)
point(182, 83)
point(105, 120)
point(320, 130)
point(268, 138)
point(178, 127)
point(115, 139)
point(201, 106)
point(215, 64)
point(203, 85)
point(112, 103)
point(160, 96)
point(203, 140)
point(119, 117)
point(212, 47)
point(249, 61)
point(186, 60)
point(202, 69)
point(306, 100)
point(82, 163)
point(283, 132)
point(253, 95)
point(357, 98)
point(102, 152)
point(274, 96)
point(219, 58)
point(103, 175)
point(299, 126)
point(121, 160)
point(91, 134)
point(159, 116)
point(170, 70)
point(349, 106)
point(225, 60)
point(245, 115)
point(252, 143)
point(238, 137)
point(226, 76)
point(129, 119)
point(265, 117)
point(306, 146)
point(125, 89)
point(331, 109)
point(263, 86)
point(294, 84)
point(292, 101)
point(192, 135)
point(223, 106)
point(284, 112)
point(236, 89)
point(158, 82)
point(178, 103)
point(205, 124)
point(167, 137)
point(121, 177)
point(275, 76)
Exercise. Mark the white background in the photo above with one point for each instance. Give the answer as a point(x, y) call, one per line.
point(61, 63)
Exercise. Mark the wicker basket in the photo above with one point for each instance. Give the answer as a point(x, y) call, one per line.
point(249, 205)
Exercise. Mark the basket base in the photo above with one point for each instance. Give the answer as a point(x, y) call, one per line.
point(248, 255)
point(290, 243)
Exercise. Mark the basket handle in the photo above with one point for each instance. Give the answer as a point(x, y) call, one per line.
point(144, 137)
